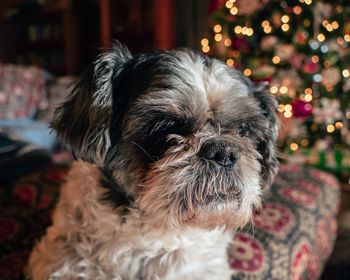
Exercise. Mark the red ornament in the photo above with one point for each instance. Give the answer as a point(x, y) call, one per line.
point(297, 60)
point(301, 37)
point(240, 44)
point(301, 109)
point(310, 67)
point(214, 5)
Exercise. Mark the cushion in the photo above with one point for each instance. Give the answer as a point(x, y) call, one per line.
point(293, 234)
point(22, 91)
point(290, 237)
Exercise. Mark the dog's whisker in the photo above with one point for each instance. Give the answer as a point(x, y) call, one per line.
point(142, 149)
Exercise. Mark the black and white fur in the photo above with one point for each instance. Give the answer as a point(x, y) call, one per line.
point(174, 150)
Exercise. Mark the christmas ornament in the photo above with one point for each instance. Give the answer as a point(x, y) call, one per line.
point(285, 51)
point(301, 109)
point(269, 42)
point(310, 67)
point(240, 44)
point(297, 60)
point(328, 111)
point(215, 5)
point(330, 76)
point(300, 37)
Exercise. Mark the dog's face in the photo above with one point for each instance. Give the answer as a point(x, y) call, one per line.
point(189, 139)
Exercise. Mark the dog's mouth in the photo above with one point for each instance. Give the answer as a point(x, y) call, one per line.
point(222, 197)
point(213, 200)
point(225, 212)
point(188, 190)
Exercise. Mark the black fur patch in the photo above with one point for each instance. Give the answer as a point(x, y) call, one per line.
point(153, 137)
point(114, 193)
point(135, 79)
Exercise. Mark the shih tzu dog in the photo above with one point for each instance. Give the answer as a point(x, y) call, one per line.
point(174, 150)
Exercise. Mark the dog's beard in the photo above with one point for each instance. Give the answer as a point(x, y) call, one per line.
point(183, 190)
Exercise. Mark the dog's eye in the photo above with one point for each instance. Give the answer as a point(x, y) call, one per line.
point(167, 127)
point(244, 129)
point(155, 140)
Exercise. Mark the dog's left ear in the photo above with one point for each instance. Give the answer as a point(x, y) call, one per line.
point(267, 146)
point(83, 121)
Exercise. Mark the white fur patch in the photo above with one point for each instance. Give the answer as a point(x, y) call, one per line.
point(88, 240)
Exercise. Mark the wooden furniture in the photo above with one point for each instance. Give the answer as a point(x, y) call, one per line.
point(64, 36)
point(46, 35)
point(140, 24)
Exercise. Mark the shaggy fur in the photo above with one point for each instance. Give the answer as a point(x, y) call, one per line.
point(174, 149)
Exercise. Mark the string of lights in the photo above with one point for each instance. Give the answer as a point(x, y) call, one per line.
point(301, 47)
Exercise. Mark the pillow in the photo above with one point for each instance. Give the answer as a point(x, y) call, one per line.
point(22, 91)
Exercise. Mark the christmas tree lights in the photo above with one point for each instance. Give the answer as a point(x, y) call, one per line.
point(302, 48)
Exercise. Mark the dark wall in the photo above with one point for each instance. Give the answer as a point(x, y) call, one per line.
point(191, 22)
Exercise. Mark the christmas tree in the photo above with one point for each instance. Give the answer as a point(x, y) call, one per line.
point(302, 48)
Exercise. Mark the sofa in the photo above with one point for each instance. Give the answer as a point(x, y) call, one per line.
point(290, 237)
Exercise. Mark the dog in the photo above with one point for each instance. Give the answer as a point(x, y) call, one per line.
point(174, 150)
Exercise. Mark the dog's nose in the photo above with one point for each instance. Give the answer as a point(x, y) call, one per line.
point(221, 151)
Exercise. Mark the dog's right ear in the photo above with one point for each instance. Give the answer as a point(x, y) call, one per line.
point(83, 121)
